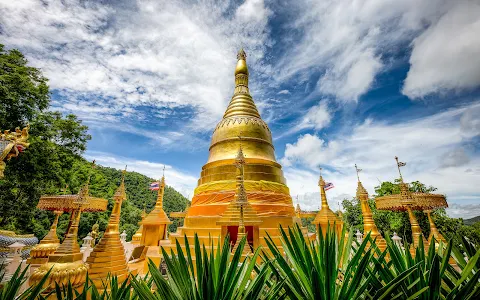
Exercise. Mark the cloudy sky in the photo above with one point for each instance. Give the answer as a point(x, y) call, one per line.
point(339, 82)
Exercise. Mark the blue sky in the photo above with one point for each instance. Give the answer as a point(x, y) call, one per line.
point(339, 82)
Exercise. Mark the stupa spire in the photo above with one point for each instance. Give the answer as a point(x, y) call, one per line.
point(326, 217)
point(108, 256)
point(242, 102)
point(368, 223)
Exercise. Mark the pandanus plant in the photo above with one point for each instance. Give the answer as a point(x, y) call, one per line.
point(215, 274)
point(433, 276)
point(331, 267)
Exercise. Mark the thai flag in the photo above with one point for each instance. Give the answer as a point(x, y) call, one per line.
point(154, 186)
point(329, 185)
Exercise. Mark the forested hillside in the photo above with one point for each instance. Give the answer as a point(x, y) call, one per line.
point(53, 163)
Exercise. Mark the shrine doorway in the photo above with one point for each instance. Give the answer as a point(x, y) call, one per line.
point(232, 231)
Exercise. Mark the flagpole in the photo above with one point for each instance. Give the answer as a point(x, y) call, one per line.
point(398, 167)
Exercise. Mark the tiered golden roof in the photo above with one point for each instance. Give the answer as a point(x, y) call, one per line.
point(108, 257)
point(326, 217)
point(408, 201)
point(66, 262)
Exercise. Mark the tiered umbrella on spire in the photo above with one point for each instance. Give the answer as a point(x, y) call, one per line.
point(408, 201)
point(66, 262)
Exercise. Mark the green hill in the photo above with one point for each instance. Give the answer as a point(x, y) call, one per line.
point(472, 220)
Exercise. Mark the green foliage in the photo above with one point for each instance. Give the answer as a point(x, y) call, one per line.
point(53, 161)
point(23, 90)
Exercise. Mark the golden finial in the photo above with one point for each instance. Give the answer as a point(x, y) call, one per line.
point(358, 171)
point(242, 67)
point(400, 164)
point(241, 54)
point(321, 182)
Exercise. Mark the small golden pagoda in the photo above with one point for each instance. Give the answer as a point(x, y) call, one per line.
point(40, 252)
point(326, 216)
point(156, 222)
point(240, 213)
point(66, 262)
point(368, 223)
point(264, 182)
point(108, 257)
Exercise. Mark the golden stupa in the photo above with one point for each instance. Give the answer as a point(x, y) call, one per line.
point(108, 256)
point(264, 183)
point(326, 217)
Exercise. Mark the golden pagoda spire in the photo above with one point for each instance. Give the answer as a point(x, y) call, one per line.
point(368, 223)
point(108, 257)
point(326, 217)
point(242, 102)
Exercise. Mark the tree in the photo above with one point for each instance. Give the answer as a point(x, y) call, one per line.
point(23, 90)
point(53, 160)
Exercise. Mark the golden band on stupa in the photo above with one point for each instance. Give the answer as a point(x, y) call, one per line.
point(264, 183)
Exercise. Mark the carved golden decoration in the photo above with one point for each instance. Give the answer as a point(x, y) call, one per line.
point(11, 145)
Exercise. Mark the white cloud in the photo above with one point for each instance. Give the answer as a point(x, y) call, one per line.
point(284, 92)
point(447, 55)
point(454, 157)
point(317, 117)
point(465, 211)
point(347, 39)
point(144, 53)
point(181, 181)
point(426, 145)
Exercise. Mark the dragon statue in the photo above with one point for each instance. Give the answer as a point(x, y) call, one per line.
point(11, 145)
